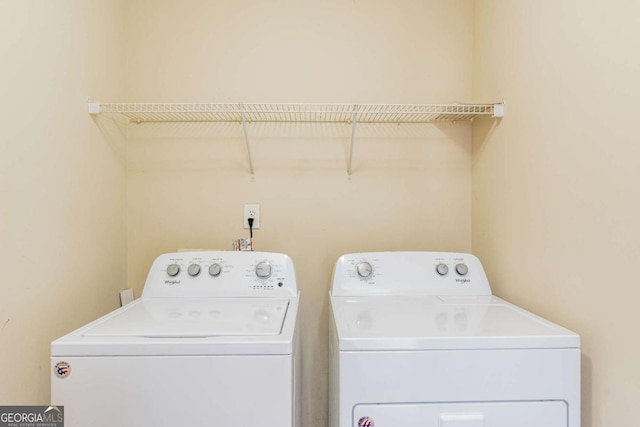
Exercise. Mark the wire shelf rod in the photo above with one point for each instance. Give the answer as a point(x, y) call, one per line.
point(298, 112)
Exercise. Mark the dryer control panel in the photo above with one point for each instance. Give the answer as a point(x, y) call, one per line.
point(409, 273)
point(221, 273)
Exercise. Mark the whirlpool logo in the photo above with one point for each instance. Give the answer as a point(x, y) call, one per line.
point(31, 416)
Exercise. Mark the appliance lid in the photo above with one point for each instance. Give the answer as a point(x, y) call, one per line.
point(442, 322)
point(194, 318)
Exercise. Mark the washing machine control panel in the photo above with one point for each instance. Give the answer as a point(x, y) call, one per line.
point(221, 273)
point(409, 273)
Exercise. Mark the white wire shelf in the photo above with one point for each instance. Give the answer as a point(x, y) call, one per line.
point(321, 113)
point(296, 113)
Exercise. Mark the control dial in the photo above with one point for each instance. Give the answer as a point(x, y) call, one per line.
point(364, 269)
point(442, 269)
point(193, 270)
point(215, 270)
point(263, 270)
point(462, 269)
point(173, 270)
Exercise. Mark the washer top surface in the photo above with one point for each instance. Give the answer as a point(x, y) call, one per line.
point(195, 318)
point(442, 323)
point(199, 303)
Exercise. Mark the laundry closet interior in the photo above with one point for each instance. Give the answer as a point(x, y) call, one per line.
point(501, 128)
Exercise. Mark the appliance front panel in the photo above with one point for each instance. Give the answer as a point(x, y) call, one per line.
point(491, 414)
point(403, 377)
point(168, 391)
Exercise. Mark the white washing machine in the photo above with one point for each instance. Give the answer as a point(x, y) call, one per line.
point(211, 342)
point(417, 339)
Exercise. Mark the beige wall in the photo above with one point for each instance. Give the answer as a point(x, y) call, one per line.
point(555, 185)
point(411, 186)
point(554, 200)
point(62, 185)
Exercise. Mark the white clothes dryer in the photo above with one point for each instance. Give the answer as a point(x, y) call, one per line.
point(212, 341)
point(417, 338)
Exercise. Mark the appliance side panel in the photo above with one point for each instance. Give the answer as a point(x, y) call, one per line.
point(169, 391)
point(334, 373)
point(297, 379)
point(459, 376)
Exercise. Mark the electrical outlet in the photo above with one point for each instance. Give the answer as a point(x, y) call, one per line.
point(252, 211)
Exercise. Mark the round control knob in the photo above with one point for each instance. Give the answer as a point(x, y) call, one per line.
point(442, 269)
point(364, 269)
point(173, 270)
point(215, 270)
point(263, 270)
point(462, 269)
point(193, 270)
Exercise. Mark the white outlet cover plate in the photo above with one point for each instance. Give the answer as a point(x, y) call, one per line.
point(252, 211)
point(126, 297)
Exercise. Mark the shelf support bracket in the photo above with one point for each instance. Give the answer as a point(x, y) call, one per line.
point(246, 136)
point(354, 119)
point(94, 106)
point(498, 109)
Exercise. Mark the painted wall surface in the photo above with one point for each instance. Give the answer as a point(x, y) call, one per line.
point(62, 185)
point(555, 185)
point(187, 183)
